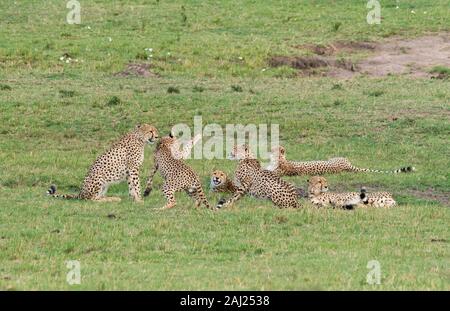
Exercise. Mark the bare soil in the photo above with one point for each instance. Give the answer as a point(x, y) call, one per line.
point(394, 56)
point(414, 57)
point(137, 69)
point(430, 194)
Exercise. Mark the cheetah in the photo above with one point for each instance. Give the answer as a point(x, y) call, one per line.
point(185, 152)
point(122, 161)
point(378, 199)
point(176, 173)
point(252, 179)
point(319, 196)
point(221, 183)
point(283, 167)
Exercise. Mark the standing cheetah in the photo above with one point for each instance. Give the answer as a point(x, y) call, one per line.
point(121, 162)
point(283, 167)
point(251, 178)
point(177, 175)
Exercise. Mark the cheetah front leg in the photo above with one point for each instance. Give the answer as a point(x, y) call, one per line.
point(243, 189)
point(134, 184)
point(149, 186)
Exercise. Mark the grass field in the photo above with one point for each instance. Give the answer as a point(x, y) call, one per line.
point(56, 117)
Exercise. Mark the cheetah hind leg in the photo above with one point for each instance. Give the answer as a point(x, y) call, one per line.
point(100, 194)
point(199, 195)
point(192, 192)
point(107, 199)
point(170, 196)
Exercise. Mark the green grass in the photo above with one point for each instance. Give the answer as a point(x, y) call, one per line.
point(441, 70)
point(56, 117)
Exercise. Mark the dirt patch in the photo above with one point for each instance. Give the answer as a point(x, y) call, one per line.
point(394, 56)
point(338, 47)
point(414, 57)
point(307, 65)
point(137, 69)
point(298, 62)
point(430, 194)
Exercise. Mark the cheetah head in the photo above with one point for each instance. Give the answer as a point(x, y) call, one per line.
point(241, 152)
point(279, 153)
point(149, 133)
point(317, 185)
point(276, 156)
point(218, 178)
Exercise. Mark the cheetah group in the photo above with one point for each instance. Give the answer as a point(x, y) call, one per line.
point(124, 159)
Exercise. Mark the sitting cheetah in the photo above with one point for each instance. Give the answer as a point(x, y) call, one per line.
point(251, 178)
point(122, 161)
point(185, 152)
point(319, 195)
point(176, 174)
point(282, 167)
point(221, 183)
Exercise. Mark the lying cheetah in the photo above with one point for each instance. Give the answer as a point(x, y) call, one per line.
point(251, 178)
point(221, 183)
point(176, 174)
point(319, 195)
point(378, 199)
point(283, 167)
point(121, 162)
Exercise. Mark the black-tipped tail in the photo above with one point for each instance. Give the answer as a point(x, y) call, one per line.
point(221, 203)
point(51, 190)
point(407, 169)
point(363, 195)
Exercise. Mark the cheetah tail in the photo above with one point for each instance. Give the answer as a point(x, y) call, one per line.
point(52, 192)
point(363, 195)
point(406, 169)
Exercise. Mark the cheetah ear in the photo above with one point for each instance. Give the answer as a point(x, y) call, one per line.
point(281, 150)
point(171, 134)
point(138, 126)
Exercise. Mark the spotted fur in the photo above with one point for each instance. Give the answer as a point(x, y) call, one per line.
point(221, 183)
point(319, 196)
point(283, 167)
point(122, 161)
point(378, 199)
point(252, 179)
point(177, 175)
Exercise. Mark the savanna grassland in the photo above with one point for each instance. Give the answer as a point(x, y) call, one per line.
point(62, 103)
